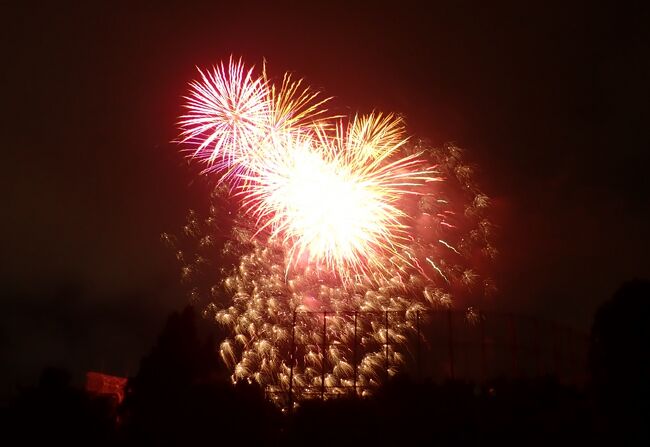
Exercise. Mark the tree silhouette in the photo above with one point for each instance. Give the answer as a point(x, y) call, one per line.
point(181, 393)
point(619, 358)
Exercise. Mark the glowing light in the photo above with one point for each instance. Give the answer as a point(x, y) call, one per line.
point(329, 204)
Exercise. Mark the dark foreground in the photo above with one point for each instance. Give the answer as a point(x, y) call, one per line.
point(182, 396)
point(540, 412)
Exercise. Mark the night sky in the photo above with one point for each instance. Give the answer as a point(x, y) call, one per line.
point(550, 103)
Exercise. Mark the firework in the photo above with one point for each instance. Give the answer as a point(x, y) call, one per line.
point(333, 218)
point(232, 113)
point(330, 204)
point(332, 197)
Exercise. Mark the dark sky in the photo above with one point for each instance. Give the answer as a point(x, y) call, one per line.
point(550, 101)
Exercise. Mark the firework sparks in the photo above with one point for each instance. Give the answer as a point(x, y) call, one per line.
point(334, 219)
point(331, 205)
point(228, 114)
point(332, 198)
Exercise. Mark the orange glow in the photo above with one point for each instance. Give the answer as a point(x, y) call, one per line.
point(103, 384)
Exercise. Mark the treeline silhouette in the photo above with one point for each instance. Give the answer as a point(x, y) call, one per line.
point(182, 395)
